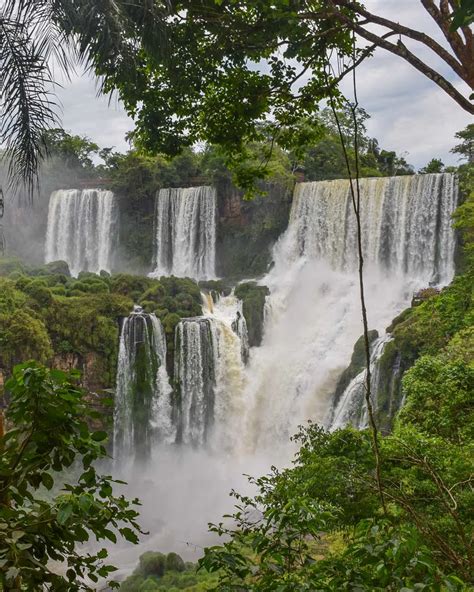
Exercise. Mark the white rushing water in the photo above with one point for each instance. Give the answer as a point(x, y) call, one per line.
point(185, 232)
point(313, 314)
point(81, 229)
point(351, 408)
point(406, 224)
point(240, 421)
point(143, 412)
point(209, 365)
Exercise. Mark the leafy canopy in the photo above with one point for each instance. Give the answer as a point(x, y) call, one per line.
point(52, 499)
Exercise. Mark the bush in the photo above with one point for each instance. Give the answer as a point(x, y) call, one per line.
point(9, 265)
point(155, 293)
point(23, 337)
point(39, 293)
point(58, 267)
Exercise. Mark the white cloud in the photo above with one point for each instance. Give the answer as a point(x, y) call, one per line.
point(84, 113)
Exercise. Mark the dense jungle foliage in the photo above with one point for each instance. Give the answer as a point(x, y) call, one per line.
point(47, 315)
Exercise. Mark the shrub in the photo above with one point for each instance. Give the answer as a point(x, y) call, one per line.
point(58, 267)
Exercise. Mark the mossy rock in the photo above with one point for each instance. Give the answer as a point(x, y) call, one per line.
point(216, 287)
point(357, 364)
point(58, 267)
point(253, 299)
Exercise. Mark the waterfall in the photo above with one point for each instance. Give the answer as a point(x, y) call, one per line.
point(313, 314)
point(406, 224)
point(195, 375)
point(234, 418)
point(143, 412)
point(209, 364)
point(81, 228)
point(185, 232)
point(239, 326)
point(351, 408)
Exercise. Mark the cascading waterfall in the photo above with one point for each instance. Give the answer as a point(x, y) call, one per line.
point(406, 224)
point(81, 229)
point(351, 408)
point(239, 326)
point(313, 314)
point(209, 362)
point(185, 232)
point(237, 418)
point(143, 412)
point(195, 375)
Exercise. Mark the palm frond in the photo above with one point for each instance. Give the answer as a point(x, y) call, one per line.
point(107, 36)
point(27, 108)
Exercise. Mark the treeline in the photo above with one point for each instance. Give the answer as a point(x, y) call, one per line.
point(320, 156)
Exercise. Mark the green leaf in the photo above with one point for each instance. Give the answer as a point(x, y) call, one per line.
point(99, 436)
point(64, 513)
point(110, 535)
point(47, 480)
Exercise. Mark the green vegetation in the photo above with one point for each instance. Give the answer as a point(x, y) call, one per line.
point(253, 299)
point(42, 518)
point(47, 315)
point(168, 573)
point(329, 500)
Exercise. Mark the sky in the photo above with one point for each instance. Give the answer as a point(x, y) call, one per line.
point(409, 113)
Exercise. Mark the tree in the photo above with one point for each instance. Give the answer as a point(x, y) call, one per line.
point(185, 69)
point(319, 524)
point(303, 50)
point(52, 499)
point(436, 165)
point(32, 33)
point(466, 147)
point(74, 151)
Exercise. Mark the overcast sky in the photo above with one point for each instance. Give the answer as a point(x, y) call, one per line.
point(409, 113)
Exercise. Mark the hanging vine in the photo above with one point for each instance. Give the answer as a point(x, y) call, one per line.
point(354, 185)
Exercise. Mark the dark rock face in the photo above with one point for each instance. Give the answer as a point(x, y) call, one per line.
point(253, 299)
point(358, 363)
point(247, 229)
point(91, 367)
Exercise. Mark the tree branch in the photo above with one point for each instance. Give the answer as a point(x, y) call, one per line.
point(442, 17)
point(402, 51)
point(412, 34)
